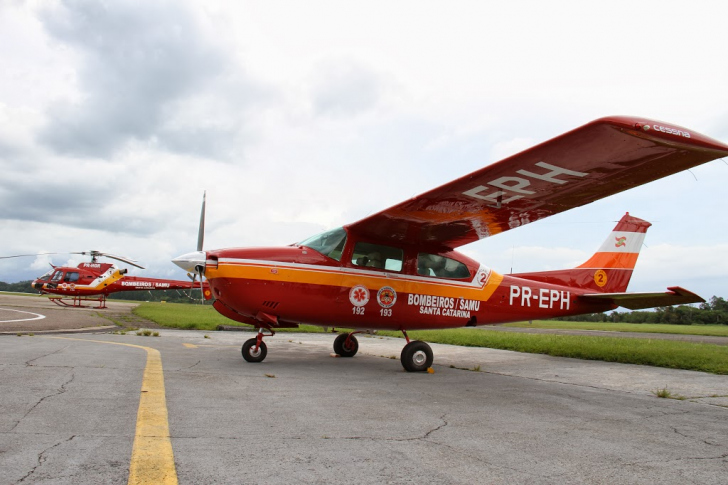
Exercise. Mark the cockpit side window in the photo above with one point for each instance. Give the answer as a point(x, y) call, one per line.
point(71, 277)
point(330, 243)
point(377, 256)
point(440, 266)
point(57, 276)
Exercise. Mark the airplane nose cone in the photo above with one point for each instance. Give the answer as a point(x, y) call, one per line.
point(190, 262)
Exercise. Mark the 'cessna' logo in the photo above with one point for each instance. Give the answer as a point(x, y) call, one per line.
point(669, 131)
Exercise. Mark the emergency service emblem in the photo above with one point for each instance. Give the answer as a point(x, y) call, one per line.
point(359, 295)
point(387, 297)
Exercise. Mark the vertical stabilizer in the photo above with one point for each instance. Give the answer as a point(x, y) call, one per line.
point(622, 247)
point(610, 268)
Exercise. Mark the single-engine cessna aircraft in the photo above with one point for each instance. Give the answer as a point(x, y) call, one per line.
point(94, 281)
point(398, 269)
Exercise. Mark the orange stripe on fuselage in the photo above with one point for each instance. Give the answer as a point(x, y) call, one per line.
point(611, 260)
point(348, 279)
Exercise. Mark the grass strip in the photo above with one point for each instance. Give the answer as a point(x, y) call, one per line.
point(197, 317)
point(655, 352)
point(707, 330)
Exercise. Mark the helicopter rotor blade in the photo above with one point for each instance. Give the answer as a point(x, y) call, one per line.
point(26, 255)
point(96, 254)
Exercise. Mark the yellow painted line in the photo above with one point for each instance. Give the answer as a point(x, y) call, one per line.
point(190, 346)
point(152, 457)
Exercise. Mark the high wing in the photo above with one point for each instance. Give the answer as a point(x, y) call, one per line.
point(601, 158)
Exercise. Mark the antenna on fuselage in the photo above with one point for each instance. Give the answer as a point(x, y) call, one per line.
point(513, 253)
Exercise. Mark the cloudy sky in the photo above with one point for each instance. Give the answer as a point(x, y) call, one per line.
point(298, 117)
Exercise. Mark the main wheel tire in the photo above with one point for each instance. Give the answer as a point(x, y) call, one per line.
point(344, 348)
point(416, 356)
point(249, 352)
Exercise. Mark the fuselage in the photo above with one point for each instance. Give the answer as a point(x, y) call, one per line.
point(89, 279)
point(272, 287)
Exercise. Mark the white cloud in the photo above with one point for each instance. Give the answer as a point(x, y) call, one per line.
point(298, 117)
point(42, 262)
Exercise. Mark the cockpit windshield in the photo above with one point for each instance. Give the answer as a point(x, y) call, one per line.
point(46, 276)
point(330, 243)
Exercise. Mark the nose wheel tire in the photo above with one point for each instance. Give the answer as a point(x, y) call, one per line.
point(346, 345)
point(250, 353)
point(416, 356)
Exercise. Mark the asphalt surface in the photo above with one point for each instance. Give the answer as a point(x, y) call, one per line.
point(20, 314)
point(71, 406)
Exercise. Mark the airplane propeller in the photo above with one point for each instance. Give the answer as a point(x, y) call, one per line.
point(201, 230)
point(195, 262)
point(200, 240)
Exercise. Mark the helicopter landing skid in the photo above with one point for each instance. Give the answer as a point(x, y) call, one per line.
point(77, 301)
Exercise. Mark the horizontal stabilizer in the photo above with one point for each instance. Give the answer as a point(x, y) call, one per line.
point(638, 301)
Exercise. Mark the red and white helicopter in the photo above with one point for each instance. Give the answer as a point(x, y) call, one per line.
point(399, 270)
point(94, 281)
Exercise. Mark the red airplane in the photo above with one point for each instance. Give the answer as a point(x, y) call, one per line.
point(398, 269)
point(94, 281)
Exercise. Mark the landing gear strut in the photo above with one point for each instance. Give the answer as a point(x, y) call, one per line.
point(416, 355)
point(254, 349)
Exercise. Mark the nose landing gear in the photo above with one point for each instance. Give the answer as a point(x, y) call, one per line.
point(254, 349)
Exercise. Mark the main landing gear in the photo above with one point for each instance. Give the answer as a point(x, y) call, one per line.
point(346, 345)
point(416, 355)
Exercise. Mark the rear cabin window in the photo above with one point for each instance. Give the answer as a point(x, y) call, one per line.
point(440, 267)
point(377, 256)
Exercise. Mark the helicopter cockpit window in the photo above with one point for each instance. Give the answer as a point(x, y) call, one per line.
point(330, 243)
point(440, 266)
point(71, 277)
point(57, 277)
point(377, 256)
point(46, 276)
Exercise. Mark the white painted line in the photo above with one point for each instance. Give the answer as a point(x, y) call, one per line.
point(37, 316)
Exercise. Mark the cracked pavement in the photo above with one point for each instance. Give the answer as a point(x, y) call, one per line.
point(301, 416)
